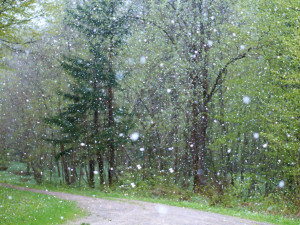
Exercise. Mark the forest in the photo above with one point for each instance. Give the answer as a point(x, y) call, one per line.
point(161, 98)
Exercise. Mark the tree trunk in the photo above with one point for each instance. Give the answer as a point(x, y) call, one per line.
point(91, 172)
point(65, 166)
point(101, 167)
point(73, 168)
point(37, 173)
point(202, 140)
point(27, 168)
point(195, 137)
point(111, 139)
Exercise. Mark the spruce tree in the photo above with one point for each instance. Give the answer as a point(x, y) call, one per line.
point(104, 25)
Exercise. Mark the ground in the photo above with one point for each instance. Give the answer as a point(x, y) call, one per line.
point(125, 212)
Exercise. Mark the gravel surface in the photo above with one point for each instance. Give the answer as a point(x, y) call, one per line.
point(129, 212)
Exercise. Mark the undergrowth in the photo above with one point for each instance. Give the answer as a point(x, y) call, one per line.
point(273, 208)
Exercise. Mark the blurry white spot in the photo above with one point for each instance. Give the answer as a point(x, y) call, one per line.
point(229, 150)
point(215, 121)
point(143, 60)
point(233, 34)
point(242, 47)
point(82, 144)
point(281, 184)
point(209, 43)
point(132, 185)
point(9, 197)
point(169, 90)
point(142, 149)
point(256, 135)
point(139, 167)
point(121, 135)
point(265, 145)
point(134, 136)
point(130, 61)
point(161, 209)
point(61, 217)
point(171, 170)
point(246, 99)
point(95, 172)
point(171, 148)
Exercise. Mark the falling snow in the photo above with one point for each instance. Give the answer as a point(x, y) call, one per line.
point(265, 145)
point(256, 135)
point(281, 184)
point(143, 60)
point(246, 99)
point(119, 96)
point(134, 136)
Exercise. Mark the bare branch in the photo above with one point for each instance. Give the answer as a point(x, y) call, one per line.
point(156, 25)
point(223, 71)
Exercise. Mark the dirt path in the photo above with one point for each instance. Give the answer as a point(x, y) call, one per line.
point(126, 212)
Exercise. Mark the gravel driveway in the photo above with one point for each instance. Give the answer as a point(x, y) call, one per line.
point(129, 212)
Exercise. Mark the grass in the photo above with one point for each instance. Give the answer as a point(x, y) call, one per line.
point(196, 201)
point(22, 207)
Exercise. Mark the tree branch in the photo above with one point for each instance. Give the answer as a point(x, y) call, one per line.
point(156, 25)
point(223, 71)
point(18, 43)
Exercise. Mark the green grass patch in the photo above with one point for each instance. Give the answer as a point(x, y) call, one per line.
point(174, 198)
point(23, 207)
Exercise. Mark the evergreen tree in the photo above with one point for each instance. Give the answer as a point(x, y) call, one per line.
point(104, 26)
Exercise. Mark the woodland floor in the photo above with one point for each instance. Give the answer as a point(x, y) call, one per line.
point(129, 212)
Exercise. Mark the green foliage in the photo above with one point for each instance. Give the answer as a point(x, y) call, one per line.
point(17, 20)
point(150, 54)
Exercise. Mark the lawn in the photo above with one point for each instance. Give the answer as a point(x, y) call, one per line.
point(22, 207)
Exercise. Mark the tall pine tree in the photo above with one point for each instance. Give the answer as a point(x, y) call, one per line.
point(104, 25)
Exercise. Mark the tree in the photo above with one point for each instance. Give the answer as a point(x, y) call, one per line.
point(200, 41)
point(15, 16)
point(104, 25)
point(282, 56)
